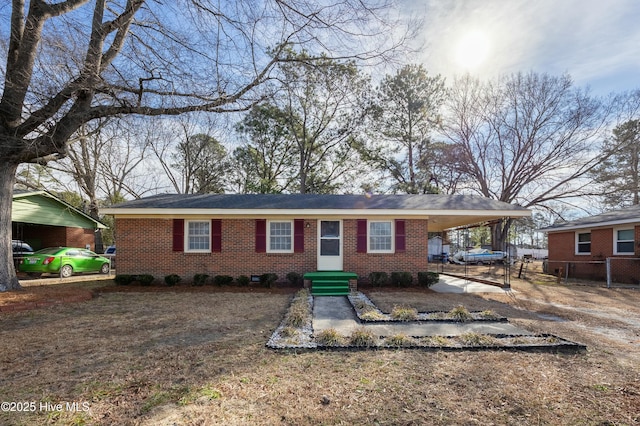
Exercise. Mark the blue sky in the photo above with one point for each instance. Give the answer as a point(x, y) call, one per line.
point(596, 41)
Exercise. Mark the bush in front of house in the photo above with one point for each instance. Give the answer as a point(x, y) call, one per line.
point(427, 279)
point(243, 280)
point(200, 279)
point(378, 279)
point(268, 280)
point(144, 279)
point(221, 280)
point(401, 279)
point(172, 279)
point(123, 279)
point(295, 279)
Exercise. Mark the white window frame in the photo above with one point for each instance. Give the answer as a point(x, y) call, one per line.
point(186, 236)
point(269, 249)
point(616, 241)
point(577, 242)
point(392, 236)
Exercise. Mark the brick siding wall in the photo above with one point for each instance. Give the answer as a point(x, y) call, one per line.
point(145, 247)
point(42, 236)
point(562, 255)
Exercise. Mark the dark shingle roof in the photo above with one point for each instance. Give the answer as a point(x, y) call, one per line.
point(616, 217)
point(317, 201)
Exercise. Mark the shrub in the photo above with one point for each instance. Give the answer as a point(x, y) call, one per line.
point(123, 279)
point(475, 339)
point(378, 279)
point(200, 279)
point(172, 280)
point(399, 340)
point(400, 313)
point(460, 313)
point(145, 279)
point(427, 279)
point(401, 279)
point(371, 315)
point(362, 337)
point(268, 280)
point(221, 280)
point(329, 337)
point(243, 280)
point(295, 279)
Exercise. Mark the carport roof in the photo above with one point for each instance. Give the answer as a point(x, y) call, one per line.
point(443, 211)
point(42, 208)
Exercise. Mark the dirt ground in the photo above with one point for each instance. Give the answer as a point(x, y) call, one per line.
point(197, 356)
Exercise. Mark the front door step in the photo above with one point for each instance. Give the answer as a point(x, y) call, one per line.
point(330, 283)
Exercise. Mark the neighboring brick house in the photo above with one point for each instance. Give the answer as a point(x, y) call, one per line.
point(242, 234)
point(582, 248)
point(43, 220)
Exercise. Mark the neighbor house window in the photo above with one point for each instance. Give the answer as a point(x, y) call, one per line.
point(280, 236)
point(623, 241)
point(380, 237)
point(583, 243)
point(198, 236)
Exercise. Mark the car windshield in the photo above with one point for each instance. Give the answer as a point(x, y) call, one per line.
point(49, 250)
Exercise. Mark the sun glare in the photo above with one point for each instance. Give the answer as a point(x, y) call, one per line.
point(472, 50)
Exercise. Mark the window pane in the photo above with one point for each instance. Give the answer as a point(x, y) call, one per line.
point(198, 235)
point(625, 235)
point(625, 247)
point(330, 247)
point(380, 236)
point(584, 248)
point(330, 228)
point(280, 236)
point(584, 238)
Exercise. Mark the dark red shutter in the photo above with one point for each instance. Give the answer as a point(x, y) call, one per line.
point(216, 235)
point(261, 235)
point(362, 236)
point(401, 238)
point(178, 234)
point(298, 236)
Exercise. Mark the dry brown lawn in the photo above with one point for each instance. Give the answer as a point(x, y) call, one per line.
point(187, 356)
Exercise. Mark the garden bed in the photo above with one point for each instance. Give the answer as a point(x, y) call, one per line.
point(296, 332)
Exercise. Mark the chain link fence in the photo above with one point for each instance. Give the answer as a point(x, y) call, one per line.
point(613, 271)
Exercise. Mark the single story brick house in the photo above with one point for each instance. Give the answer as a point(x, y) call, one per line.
point(582, 248)
point(43, 220)
point(254, 234)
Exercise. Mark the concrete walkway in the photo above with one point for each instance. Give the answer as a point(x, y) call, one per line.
point(336, 312)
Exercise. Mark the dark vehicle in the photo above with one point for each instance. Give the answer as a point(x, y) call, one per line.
point(19, 249)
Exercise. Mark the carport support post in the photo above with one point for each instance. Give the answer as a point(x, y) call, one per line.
point(608, 272)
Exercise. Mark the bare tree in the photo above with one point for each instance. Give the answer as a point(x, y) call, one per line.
point(73, 61)
point(525, 138)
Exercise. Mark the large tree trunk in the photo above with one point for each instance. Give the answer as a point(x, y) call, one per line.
point(8, 278)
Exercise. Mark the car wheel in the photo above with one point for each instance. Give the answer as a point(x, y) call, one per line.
point(105, 269)
point(66, 271)
point(479, 263)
